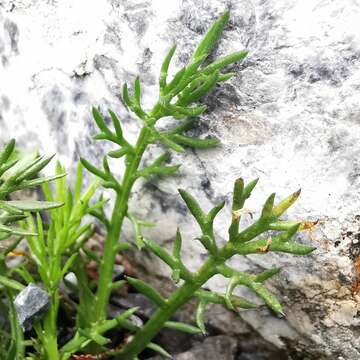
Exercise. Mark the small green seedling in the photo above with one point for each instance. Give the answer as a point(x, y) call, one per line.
point(18, 173)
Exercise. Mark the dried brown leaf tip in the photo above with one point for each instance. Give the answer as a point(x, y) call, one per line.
point(18, 253)
point(236, 214)
point(309, 226)
point(266, 248)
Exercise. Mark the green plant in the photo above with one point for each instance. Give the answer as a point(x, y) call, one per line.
point(54, 247)
point(58, 244)
point(188, 86)
point(251, 240)
point(17, 173)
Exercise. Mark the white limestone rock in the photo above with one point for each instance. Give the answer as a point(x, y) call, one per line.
point(291, 117)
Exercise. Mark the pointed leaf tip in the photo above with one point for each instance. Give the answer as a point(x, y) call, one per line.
point(147, 290)
point(283, 205)
point(193, 207)
point(268, 207)
point(267, 274)
point(249, 188)
point(165, 67)
point(212, 35)
point(226, 14)
point(34, 205)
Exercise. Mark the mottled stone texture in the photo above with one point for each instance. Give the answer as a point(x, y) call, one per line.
point(213, 348)
point(291, 117)
point(31, 304)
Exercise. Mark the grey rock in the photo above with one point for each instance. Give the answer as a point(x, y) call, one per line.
point(146, 307)
point(228, 322)
point(31, 304)
point(213, 348)
point(290, 117)
point(174, 341)
point(69, 285)
point(70, 279)
point(118, 272)
point(114, 311)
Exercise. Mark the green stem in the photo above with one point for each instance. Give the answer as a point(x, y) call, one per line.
point(182, 295)
point(118, 215)
point(51, 348)
point(50, 329)
point(17, 348)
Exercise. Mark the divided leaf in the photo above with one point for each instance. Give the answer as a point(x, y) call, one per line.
point(186, 328)
point(267, 211)
point(147, 290)
point(212, 36)
point(194, 207)
point(7, 151)
point(280, 208)
point(19, 206)
point(165, 67)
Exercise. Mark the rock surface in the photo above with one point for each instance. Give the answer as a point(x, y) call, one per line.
point(213, 348)
point(291, 117)
point(30, 305)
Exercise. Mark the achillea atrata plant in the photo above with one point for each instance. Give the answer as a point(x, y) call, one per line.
point(58, 245)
